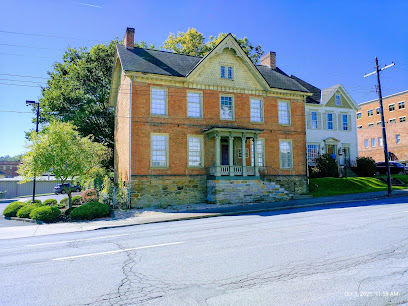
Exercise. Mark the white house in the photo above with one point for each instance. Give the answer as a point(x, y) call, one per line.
point(330, 124)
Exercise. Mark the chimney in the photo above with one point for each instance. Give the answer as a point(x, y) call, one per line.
point(269, 59)
point(129, 39)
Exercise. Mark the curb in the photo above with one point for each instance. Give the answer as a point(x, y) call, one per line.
point(24, 220)
point(243, 212)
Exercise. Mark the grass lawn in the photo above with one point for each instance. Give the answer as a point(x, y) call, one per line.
point(329, 186)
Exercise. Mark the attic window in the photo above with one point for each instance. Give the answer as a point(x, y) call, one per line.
point(338, 100)
point(227, 72)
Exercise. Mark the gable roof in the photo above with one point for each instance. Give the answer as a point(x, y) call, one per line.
point(315, 98)
point(328, 93)
point(180, 65)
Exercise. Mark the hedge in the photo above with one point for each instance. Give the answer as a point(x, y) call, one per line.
point(35, 201)
point(50, 202)
point(64, 201)
point(77, 200)
point(24, 212)
point(89, 211)
point(45, 213)
point(12, 209)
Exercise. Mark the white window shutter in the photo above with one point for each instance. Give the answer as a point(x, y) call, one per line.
point(319, 120)
point(309, 120)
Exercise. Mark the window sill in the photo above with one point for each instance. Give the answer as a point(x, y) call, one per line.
point(159, 116)
point(159, 168)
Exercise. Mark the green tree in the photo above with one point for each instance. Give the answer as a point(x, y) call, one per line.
point(193, 42)
point(61, 150)
point(78, 92)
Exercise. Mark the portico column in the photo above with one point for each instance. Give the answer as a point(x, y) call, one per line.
point(217, 154)
point(244, 172)
point(231, 154)
point(256, 168)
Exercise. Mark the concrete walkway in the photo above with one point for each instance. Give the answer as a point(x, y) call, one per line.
point(14, 231)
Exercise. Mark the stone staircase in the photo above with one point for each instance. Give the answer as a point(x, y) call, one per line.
point(237, 191)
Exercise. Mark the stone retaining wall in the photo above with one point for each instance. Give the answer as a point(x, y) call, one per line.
point(236, 191)
point(149, 191)
point(287, 182)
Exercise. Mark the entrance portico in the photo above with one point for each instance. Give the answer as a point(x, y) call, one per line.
point(231, 151)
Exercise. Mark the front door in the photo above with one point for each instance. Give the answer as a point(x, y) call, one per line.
point(224, 154)
point(332, 150)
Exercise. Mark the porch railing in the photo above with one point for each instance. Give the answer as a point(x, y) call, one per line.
point(234, 170)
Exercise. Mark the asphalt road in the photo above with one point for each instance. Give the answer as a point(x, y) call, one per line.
point(338, 256)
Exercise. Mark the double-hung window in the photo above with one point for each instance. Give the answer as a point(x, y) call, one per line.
point(285, 148)
point(227, 72)
point(345, 122)
point(338, 100)
point(373, 142)
point(160, 150)
point(259, 153)
point(330, 121)
point(313, 120)
point(391, 107)
point(226, 108)
point(194, 104)
point(159, 101)
point(370, 113)
point(380, 141)
point(398, 138)
point(401, 105)
point(312, 152)
point(366, 143)
point(195, 144)
point(256, 110)
point(378, 110)
point(358, 115)
point(283, 112)
point(403, 119)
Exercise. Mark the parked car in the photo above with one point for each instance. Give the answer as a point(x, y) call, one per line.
point(395, 168)
point(58, 188)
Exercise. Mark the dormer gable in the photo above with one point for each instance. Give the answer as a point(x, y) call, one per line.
point(337, 96)
point(228, 65)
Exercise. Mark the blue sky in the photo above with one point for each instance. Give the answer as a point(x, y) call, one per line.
point(322, 42)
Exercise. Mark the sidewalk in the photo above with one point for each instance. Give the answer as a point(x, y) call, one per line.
point(134, 217)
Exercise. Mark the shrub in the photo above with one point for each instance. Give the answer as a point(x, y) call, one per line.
point(45, 213)
point(89, 195)
point(68, 211)
point(24, 212)
point(365, 166)
point(326, 166)
point(77, 200)
point(89, 211)
point(60, 205)
point(64, 201)
point(50, 202)
point(12, 209)
point(35, 201)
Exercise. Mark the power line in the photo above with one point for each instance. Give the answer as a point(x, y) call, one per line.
point(49, 36)
point(24, 76)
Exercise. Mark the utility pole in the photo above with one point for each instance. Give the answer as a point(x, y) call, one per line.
point(387, 164)
point(36, 130)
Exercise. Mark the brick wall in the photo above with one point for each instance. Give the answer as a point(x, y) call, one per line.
point(178, 128)
point(399, 128)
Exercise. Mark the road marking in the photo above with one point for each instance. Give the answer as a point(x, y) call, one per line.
point(76, 240)
point(117, 251)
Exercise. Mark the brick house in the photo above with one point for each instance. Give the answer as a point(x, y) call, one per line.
point(9, 168)
point(370, 141)
point(210, 129)
point(331, 124)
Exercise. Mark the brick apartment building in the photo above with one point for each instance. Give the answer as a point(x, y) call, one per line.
point(9, 169)
point(211, 129)
point(370, 142)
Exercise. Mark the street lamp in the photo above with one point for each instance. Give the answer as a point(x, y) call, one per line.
point(32, 103)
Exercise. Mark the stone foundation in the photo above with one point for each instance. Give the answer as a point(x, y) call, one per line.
point(149, 191)
point(294, 184)
point(236, 191)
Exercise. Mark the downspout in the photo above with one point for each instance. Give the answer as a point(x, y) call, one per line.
point(130, 144)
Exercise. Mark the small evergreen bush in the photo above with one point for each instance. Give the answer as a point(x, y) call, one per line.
point(60, 205)
point(24, 212)
point(64, 201)
point(35, 201)
point(89, 211)
point(366, 166)
point(50, 202)
point(45, 213)
point(12, 209)
point(89, 195)
point(326, 166)
point(77, 200)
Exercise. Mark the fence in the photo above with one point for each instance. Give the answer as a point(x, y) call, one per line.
point(10, 188)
